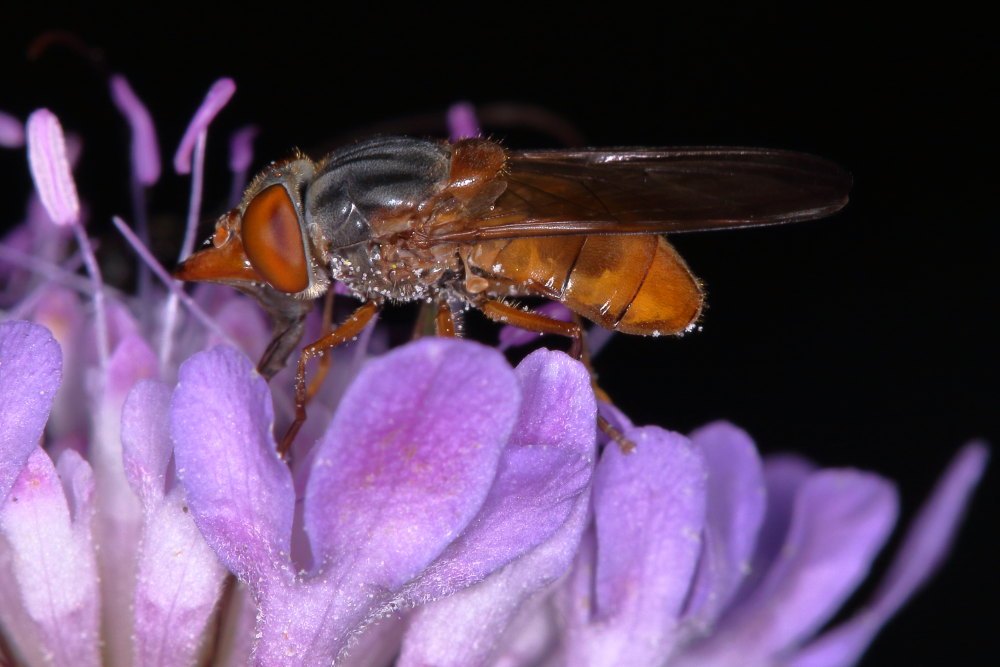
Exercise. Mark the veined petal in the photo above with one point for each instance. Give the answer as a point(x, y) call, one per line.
point(30, 372)
point(146, 446)
point(238, 489)
point(53, 563)
point(784, 475)
point(925, 546)
point(405, 465)
point(480, 614)
point(840, 521)
point(539, 494)
point(179, 579)
point(409, 459)
point(119, 515)
point(735, 511)
point(542, 472)
point(178, 584)
point(629, 585)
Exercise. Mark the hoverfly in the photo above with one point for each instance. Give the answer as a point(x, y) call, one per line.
point(402, 219)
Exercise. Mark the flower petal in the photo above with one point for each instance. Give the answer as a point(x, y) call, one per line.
point(408, 459)
point(735, 511)
point(146, 446)
point(480, 613)
point(545, 468)
point(53, 562)
point(119, 513)
point(784, 475)
point(840, 521)
point(926, 544)
point(178, 584)
point(539, 495)
point(404, 466)
point(30, 371)
point(649, 511)
point(238, 489)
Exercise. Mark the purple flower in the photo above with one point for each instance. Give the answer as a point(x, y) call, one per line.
point(445, 508)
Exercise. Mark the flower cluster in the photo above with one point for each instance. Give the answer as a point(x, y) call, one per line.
point(450, 509)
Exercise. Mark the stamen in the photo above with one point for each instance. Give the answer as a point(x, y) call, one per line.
point(171, 284)
point(193, 141)
point(145, 149)
point(462, 123)
point(53, 273)
point(216, 98)
point(145, 170)
point(11, 131)
point(50, 168)
point(50, 171)
point(240, 158)
point(27, 304)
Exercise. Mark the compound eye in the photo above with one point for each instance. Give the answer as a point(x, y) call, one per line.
point(272, 240)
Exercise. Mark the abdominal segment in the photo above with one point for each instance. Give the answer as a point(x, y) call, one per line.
point(634, 284)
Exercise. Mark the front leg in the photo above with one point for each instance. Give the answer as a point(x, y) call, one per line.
point(351, 327)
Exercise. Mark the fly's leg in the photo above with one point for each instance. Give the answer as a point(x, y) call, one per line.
point(351, 327)
point(444, 321)
point(624, 444)
point(543, 324)
point(326, 359)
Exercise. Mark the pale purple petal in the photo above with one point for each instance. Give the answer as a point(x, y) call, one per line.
point(53, 563)
point(462, 123)
point(145, 149)
point(30, 372)
point(623, 607)
point(408, 459)
point(784, 474)
point(238, 489)
point(236, 632)
point(78, 483)
point(118, 523)
point(840, 521)
point(216, 98)
point(377, 646)
point(480, 614)
point(735, 511)
point(405, 465)
point(926, 545)
point(11, 131)
point(50, 167)
point(539, 494)
point(131, 361)
point(179, 581)
point(542, 472)
point(146, 446)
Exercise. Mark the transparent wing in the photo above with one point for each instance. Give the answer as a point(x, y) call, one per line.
point(654, 190)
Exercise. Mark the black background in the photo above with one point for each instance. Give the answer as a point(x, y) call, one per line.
point(865, 340)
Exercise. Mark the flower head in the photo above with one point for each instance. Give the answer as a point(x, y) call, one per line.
point(448, 508)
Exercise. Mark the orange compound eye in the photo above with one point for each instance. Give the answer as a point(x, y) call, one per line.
point(273, 240)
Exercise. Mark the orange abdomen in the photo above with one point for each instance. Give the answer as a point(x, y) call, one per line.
point(634, 284)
